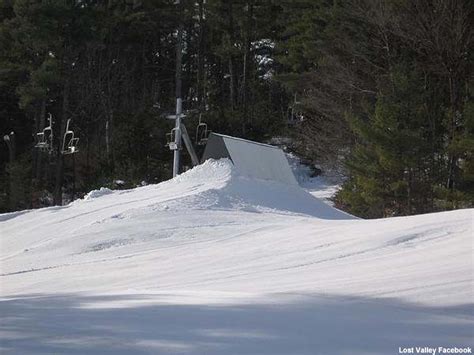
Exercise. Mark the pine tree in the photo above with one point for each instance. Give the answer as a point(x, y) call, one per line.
point(392, 158)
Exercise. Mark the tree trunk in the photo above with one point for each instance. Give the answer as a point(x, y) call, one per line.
point(38, 157)
point(231, 57)
point(248, 39)
point(11, 144)
point(13, 193)
point(200, 68)
point(454, 101)
point(231, 84)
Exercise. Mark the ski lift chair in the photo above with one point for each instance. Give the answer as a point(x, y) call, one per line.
point(44, 139)
point(294, 116)
point(171, 139)
point(69, 141)
point(201, 133)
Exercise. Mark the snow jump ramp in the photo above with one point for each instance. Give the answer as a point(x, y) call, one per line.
point(252, 159)
point(260, 175)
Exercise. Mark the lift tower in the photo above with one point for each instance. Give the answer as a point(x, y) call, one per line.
point(179, 101)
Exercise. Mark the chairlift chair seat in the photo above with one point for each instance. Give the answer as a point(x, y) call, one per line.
point(201, 133)
point(69, 141)
point(44, 139)
point(71, 147)
point(171, 139)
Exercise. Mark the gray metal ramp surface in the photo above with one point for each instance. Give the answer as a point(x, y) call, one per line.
point(252, 159)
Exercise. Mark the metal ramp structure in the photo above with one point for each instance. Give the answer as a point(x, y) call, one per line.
point(252, 159)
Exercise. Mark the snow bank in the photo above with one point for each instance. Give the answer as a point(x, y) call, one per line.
point(97, 193)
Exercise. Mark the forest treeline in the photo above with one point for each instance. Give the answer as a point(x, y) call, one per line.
point(382, 89)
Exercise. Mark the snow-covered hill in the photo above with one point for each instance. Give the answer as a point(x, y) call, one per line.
point(214, 263)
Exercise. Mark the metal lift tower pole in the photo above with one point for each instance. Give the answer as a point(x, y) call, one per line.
point(179, 102)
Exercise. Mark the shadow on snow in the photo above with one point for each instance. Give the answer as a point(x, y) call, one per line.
point(149, 324)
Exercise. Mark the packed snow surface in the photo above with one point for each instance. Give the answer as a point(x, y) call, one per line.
point(214, 263)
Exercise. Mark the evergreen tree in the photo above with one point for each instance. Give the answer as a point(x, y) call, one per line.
point(392, 162)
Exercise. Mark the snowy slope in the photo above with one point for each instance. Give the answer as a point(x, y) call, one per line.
point(324, 186)
point(214, 263)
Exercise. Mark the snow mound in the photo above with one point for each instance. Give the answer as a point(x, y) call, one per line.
point(211, 169)
point(97, 193)
point(233, 190)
